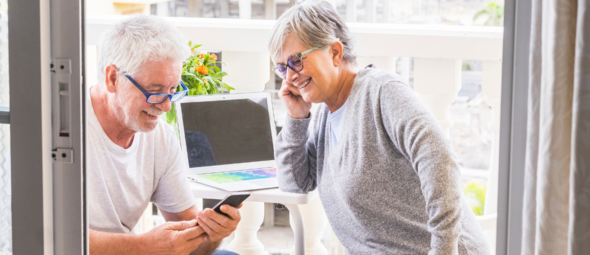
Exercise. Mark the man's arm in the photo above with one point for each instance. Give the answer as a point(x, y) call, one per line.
point(172, 237)
point(113, 243)
point(215, 225)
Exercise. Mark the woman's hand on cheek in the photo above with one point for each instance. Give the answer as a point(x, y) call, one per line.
point(296, 106)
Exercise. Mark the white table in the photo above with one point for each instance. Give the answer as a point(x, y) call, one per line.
point(252, 214)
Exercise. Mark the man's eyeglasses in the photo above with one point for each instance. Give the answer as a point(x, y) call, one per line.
point(294, 62)
point(158, 98)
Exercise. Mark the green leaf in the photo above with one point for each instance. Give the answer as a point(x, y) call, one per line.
point(215, 88)
point(190, 75)
point(199, 90)
point(219, 75)
point(228, 87)
point(171, 115)
point(199, 80)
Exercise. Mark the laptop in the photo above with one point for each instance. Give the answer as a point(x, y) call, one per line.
point(228, 140)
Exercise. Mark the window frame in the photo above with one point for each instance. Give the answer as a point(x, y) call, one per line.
point(513, 124)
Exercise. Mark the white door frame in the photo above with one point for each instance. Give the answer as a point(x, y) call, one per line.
point(48, 197)
point(67, 47)
point(48, 209)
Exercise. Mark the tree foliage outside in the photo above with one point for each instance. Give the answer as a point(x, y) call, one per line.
point(493, 13)
point(476, 196)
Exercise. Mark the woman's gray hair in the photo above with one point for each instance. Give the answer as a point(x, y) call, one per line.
point(316, 24)
point(137, 40)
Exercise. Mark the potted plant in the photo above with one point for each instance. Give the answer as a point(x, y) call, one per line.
point(201, 76)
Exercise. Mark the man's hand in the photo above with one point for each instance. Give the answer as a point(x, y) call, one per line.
point(218, 226)
point(174, 238)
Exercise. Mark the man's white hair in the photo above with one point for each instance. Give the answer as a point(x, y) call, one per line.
point(137, 40)
point(316, 24)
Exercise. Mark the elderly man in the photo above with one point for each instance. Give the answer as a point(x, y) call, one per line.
point(134, 157)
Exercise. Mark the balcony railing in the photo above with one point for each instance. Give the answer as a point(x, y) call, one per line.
point(437, 51)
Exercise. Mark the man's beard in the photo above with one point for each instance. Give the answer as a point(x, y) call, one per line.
point(130, 119)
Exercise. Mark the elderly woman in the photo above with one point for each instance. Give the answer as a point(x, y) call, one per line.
point(385, 171)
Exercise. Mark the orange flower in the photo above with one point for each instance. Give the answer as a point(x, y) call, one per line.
point(201, 56)
point(205, 80)
point(202, 69)
point(192, 51)
point(213, 56)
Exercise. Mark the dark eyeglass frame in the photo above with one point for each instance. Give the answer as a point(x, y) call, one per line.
point(177, 95)
point(289, 64)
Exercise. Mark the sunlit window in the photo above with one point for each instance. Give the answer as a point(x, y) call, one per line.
point(468, 94)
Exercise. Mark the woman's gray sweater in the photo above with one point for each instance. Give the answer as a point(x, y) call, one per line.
point(391, 185)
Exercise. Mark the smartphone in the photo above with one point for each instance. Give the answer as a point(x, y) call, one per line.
point(233, 200)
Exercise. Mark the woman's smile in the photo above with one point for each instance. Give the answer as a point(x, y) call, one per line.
point(303, 85)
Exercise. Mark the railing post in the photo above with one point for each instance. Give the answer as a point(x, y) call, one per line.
point(315, 223)
point(246, 241)
point(224, 8)
point(386, 11)
point(195, 8)
point(492, 90)
point(350, 11)
point(437, 82)
point(371, 11)
point(245, 9)
point(270, 9)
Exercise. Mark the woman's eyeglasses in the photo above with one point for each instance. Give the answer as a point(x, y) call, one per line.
point(294, 62)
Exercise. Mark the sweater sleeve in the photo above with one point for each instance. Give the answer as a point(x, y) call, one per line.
point(296, 158)
point(420, 139)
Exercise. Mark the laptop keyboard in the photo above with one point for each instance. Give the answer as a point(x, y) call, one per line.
point(247, 175)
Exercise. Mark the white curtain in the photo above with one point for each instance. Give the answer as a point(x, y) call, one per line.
point(557, 174)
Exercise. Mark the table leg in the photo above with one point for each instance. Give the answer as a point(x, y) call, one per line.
point(315, 223)
point(298, 228)
point(246, 242)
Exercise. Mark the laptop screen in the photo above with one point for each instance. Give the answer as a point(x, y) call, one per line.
point(227, 132)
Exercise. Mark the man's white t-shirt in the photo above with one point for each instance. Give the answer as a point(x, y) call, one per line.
point(121, 182)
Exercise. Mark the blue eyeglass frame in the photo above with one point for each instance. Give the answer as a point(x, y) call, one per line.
point(299, 55)
point(169, 96)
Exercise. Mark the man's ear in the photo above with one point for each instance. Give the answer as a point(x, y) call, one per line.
point(336, 52)
point(110, 78)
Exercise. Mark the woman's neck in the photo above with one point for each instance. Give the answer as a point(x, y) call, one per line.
point(343, 88)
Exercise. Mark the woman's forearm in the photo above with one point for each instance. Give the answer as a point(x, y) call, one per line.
point(296, 158)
